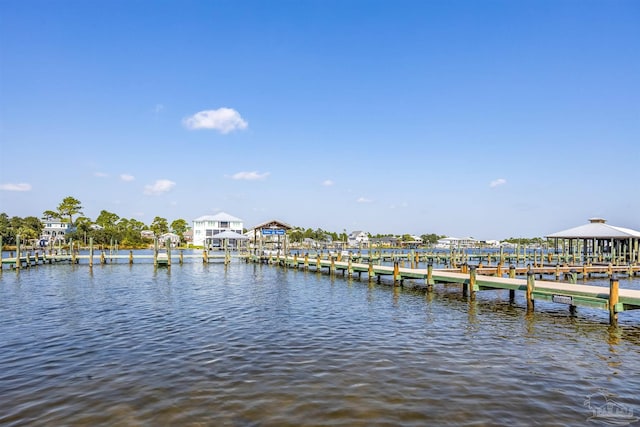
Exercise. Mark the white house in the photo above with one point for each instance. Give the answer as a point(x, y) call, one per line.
point(455, 242)
point(54, 230)
point(357, 238)
point(173, 238)
point(147, 234)
point(206, 227)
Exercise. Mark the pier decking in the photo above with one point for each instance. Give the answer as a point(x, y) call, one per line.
point(613, 299)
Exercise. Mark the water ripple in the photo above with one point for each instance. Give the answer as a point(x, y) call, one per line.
point(249, 345)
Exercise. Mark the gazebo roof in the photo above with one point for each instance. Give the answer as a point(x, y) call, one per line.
point(229, 235)
point(596, 229)
point(274, 223)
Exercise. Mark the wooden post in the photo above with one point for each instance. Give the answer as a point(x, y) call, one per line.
point(295, 260)
point(396, 274)
point(430, 281)
point(530, 287)
point(167, 244)
point(349, 268)
point(557, 272)
point(205, 255)
point(613, 300)
point(371, 273)
point(18, 260)
point(472, 282)
point(332, 267)
point(318, 264)
point(182, 256)
point(573, 277)
point(306, 261)
point(90, 251)
point(102, 257)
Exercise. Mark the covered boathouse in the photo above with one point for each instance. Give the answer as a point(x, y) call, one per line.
point(599, 242)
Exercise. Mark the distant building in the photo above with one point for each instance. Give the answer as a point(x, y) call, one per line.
point(206, 227)
point(358, 238)
point(147, 234)
point(173, 238)
point(55, 230)
point(455, 242)
point(385, 242)
point(599, 238)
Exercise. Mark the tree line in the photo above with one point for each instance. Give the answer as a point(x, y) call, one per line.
point(109, 227)
point(106, 228)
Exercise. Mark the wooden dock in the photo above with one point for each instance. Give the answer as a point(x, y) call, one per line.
point(105, 257)
point(612, 299)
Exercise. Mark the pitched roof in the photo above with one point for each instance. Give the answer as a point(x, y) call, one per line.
point(596, 229)
point(274, 223)
point(222, 216)
point(229, 235)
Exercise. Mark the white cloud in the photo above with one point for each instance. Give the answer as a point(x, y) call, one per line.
point(364, 200)
point(159, 187)
point(15, 187)
point(224, 120)
point(127, 177)
point(327, 183)
point(497, 182)
point(250, 176)
point(100, 174)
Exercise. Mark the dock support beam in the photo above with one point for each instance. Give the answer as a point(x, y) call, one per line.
point(472, 282)
point(397, 278)
point(613, 300)
point(512, 275)
point(530, 286)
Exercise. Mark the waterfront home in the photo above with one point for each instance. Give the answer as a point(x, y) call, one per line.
point(147, 234)
point(173, 238)
point(385, 242)
point(357, 239)
point(54, 230)
point(206, 227)
point(456, 243)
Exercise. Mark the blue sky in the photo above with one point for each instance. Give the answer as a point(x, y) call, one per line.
point(488, 119)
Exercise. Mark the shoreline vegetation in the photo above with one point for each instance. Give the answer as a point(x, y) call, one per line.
point(109, 229)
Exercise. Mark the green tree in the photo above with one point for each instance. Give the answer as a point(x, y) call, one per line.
point(107, 220)
point(431, 238)
point(6, 231)
point(69, 207)
point(179, 226)
point(50, 215)
point(159, 226)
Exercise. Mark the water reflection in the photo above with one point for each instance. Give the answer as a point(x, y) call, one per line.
point(259, 345)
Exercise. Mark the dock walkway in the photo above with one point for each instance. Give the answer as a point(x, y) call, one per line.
point(613, 299)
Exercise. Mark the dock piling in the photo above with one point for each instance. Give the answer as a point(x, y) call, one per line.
point(530, 287)
point(613, 300)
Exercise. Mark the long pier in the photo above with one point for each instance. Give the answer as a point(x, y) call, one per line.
point(160, 258)
point(613, 299)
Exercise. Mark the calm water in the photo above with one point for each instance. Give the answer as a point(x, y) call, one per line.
point(251, 345)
